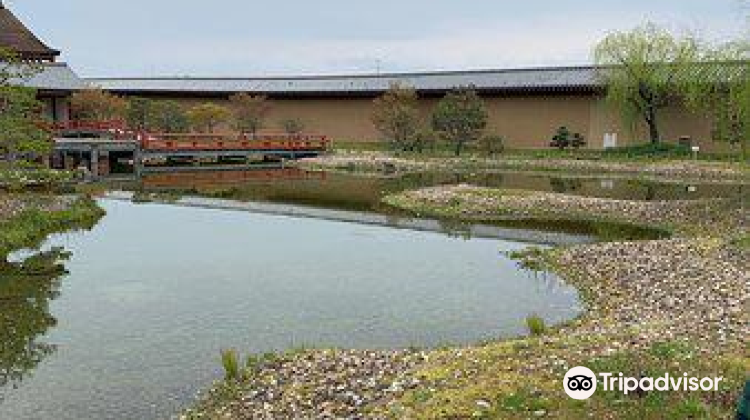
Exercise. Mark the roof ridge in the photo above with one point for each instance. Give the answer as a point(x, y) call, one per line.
point(360, 76)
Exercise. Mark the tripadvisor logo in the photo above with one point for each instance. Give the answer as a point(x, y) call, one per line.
point(580, 383)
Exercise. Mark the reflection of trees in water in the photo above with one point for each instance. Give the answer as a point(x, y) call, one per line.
point(564, 185)
point(455, 228)
point(26, 290)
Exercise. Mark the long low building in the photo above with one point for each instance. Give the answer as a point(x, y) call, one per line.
point(526, 106)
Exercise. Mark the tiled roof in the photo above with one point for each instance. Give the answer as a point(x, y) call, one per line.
point(15, 36)
point(54, 76)
point(535, 79)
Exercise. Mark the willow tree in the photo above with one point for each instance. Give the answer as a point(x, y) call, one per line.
point(721, 88)
point(643, 71)
point(396, 116)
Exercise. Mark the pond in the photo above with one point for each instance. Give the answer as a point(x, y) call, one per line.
point(155, 291)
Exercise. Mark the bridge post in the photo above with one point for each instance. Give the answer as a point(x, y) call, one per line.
point(138, 161)
point(94, 163)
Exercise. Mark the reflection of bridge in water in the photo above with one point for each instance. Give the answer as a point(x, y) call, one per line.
point(104, 148)
point(191, 178)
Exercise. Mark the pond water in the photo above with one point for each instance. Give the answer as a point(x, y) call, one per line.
point(359, 192)
point(156, 290)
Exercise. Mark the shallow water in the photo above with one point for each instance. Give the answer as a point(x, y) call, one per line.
point(155, 291)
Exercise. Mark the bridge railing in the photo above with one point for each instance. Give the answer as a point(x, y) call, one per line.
point(118, 130)
point(111, 129)
point(198, 142)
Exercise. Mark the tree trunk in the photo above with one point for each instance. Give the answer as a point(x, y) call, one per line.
point(653, 127)
point(458, 147)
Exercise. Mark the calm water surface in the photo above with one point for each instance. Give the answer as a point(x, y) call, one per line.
point(352, 191)
point(155, 291)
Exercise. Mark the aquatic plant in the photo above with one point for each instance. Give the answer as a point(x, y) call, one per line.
point(536, 325)
point(230, 362)
point(531, 258)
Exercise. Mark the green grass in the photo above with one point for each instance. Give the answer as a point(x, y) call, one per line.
point(22, 178)
point(536, 325)
point(638, 152)
point(502, 380)
point(231, 364)
point(742, 241)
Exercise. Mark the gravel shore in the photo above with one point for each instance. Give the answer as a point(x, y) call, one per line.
point(315, 384)
point(385, 162)
point(472, 202)
point(13, 204)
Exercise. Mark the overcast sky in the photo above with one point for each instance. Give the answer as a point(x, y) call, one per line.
point(282, 37)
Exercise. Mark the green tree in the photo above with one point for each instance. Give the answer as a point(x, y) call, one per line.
point(460, 117)
point(396, 116)
point(168, 117)
point(139, 113)
point(425, 139)
point(19, 131)
point(292, 126)
point(250, 112)
point(20, 110)
point(98, 105)
point(206, 117)
point(643, 69)
point(720, 87)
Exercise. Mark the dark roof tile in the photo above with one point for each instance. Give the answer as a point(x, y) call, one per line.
point(16, 37)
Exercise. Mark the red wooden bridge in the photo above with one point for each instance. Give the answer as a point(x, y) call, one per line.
point(93, 143)
point(180, 142)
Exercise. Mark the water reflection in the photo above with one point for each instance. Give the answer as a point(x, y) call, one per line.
point(359, 192)
point(26, 290)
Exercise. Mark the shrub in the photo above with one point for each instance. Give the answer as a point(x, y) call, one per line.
point(564, 138)
point(425, 139)
point(652, 150)
point(493, 144)
point(536, 325)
